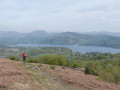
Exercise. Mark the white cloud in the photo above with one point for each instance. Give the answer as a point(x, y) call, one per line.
point(52, 15)
point(9, 4)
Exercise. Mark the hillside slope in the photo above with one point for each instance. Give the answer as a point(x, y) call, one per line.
point(75, 78)
point(42, 77)
point(13, 77)
point(81, 81)
point(17, 77)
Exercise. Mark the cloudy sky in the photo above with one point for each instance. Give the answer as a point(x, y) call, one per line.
point(60, 15)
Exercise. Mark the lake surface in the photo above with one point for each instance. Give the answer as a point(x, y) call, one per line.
point(75, 48)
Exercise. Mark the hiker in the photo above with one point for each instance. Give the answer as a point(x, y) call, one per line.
point(24, 57)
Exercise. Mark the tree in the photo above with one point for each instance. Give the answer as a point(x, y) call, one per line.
point(106, 76)
point(75, 65)
point(116, 74)
point(13, 58)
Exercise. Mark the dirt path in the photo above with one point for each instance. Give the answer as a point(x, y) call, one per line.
point(56, 80)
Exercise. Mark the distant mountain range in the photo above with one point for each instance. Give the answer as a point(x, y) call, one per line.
point(11, 35)
point(104, 39)
point(16, 37)
point(73, 38)
point(103, 33)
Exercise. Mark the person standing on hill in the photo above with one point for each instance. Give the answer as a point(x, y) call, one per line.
point(24, 57)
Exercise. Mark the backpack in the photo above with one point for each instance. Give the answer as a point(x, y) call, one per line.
point(24, 55)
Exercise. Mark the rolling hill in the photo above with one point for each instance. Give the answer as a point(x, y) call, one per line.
point(72, 38)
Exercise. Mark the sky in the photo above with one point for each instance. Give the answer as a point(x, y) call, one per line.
point(60, 15)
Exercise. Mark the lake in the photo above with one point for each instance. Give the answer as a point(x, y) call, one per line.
point(75, 48)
